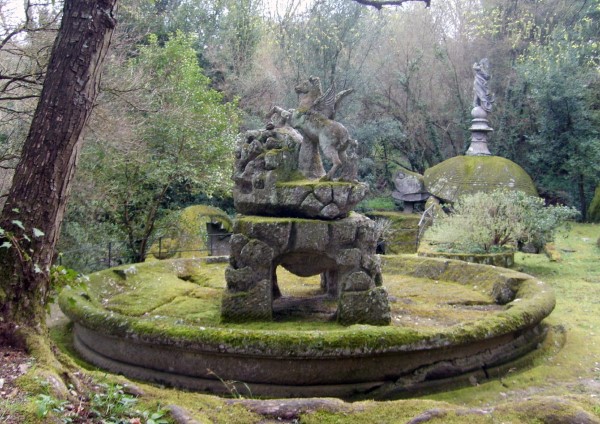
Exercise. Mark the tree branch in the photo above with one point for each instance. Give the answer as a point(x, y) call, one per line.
point(378, 4)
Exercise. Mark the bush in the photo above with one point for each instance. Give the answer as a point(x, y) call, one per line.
point(497, 221)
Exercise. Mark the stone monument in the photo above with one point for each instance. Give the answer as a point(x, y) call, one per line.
point(299, 217)
point(478, 170)
point(483, 100)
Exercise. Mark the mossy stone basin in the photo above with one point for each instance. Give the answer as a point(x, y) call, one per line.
point(451, 321)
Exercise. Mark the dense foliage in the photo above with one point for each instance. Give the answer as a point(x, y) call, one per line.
point(497, 221)
point(175, 137)
point(410, 68)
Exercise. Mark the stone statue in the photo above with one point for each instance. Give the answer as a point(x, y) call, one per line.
point(312, 97)
point(314, 119)
point(482, 95)
point(292, 215)
point(332, 136)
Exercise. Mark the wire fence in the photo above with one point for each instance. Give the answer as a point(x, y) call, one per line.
point(92, 258)
point(97, 257)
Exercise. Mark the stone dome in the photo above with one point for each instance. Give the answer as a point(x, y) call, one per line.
point(462, 175)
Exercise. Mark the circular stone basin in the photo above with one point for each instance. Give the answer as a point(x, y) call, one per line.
point(451, 322)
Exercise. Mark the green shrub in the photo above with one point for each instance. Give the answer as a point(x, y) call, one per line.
point(497, 221)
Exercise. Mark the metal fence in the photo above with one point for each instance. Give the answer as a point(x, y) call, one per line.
point(93, 258)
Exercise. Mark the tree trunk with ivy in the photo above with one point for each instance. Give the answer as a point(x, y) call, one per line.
point(35, 206)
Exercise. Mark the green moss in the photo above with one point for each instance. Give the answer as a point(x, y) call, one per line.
point(158, 306)
point(462, 175)
point(593, 212)
point(401, 234)
point(560, 385)
point(187, 235)
point(385, 203)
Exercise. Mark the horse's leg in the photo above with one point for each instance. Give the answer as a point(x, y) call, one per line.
point(331, 152)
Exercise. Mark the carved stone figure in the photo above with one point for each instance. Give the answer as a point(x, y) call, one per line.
point(314, 119)
point(296, 218)
point(312, 97)
point(482, 95)
point(332, 137)
point(482, 104)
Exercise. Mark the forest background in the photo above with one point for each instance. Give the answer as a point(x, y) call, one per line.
point(183, 77)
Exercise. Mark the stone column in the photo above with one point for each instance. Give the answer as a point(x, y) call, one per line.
point(479, 131)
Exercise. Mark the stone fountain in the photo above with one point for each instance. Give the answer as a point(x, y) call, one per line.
point(177, 323)
point(300, 218)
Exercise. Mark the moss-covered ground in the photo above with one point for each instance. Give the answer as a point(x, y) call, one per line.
point(561, 386)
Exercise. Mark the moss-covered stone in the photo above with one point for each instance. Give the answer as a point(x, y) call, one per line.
point(462, 175)
point(427, 287)
point(503, 259)
point(341, 251)
point(593, 212)
point(400, 235)
point(187, 236)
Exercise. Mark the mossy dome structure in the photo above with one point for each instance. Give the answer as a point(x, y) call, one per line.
point(463, 175)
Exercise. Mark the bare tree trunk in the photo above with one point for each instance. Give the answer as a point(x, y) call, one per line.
point(36, 202)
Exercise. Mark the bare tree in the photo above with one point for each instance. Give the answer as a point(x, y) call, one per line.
point(378, 4)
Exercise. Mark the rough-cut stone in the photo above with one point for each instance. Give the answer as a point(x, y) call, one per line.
point(364, 307)
point(330, 211)
point(311, 204)
point(349, 257)
point(253, 304)
point(269, 182)
point(239, 279)
point(342, 251)
point(358, 281)
point(324, 194)
point(256, 254)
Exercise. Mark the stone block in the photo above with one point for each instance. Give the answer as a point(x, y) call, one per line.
point(274, 233)
point(349, 258)
point(372, 263)
point(341, 194)
point(367, 235)
point(370, 307)
point(252, 305)
point(311, 205)
point(324, 194)
point(239, 279)
point(292, 196)
point(343, 232)
point(358, 193)
point(311, 235)
point(331, 211)
point(256, 254)
point(236, 244)
point(358, 281)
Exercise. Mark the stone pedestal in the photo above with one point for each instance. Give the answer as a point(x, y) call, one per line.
point(342, 251)
point(276, 175)
point(479, 131)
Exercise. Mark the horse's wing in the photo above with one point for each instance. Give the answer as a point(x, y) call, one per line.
point(325, 104)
